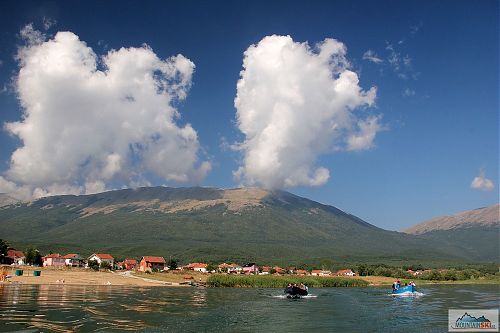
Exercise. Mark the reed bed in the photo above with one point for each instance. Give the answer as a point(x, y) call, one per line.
point(271, 281)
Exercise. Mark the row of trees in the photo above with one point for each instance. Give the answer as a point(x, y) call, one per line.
point(434, 274)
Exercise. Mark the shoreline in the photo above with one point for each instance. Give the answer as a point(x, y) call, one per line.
point(86, 277)
point(76, 276)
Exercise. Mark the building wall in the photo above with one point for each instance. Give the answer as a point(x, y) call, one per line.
point(54, 262)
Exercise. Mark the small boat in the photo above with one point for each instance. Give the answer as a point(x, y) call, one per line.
point(404, 290)
point(295, 292)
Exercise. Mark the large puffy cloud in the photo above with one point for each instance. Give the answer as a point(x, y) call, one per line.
point(295, 103)
point(91, 121)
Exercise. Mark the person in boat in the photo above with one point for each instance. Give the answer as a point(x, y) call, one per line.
point(294, 290)
point(395, 286)
point(412, 284)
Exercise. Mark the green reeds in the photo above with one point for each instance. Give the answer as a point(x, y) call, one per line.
point(272, 281)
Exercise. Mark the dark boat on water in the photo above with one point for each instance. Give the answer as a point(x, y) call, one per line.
point(295, 292)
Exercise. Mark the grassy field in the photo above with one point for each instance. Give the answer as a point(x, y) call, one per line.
point(272, 281)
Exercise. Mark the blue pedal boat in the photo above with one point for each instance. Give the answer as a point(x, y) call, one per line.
point(404, 290)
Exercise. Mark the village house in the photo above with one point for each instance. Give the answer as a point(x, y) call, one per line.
point(73, 260)
point(301, 272)
point(197, 267)
point(128, 264)
point(15, 257)
point(279, 270)
point(320, 272)
point(229, 268)
point(149, 263)
point(265, 270)
point(102, 257)
point(251, 268)
point(345, 272)
point(414, 273)
point(54, 260)
point(316, 272)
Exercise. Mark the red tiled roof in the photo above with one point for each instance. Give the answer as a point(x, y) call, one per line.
point(153, 259)
point(343, 271)
point(70, 256)
point(301, 271)
point(130, 261)
point(316, 271)
point(104, 256)
point(15, 254)
point(53, 255)
point(198, 265)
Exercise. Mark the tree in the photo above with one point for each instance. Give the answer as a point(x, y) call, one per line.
point(211, 267)
point(105, 265)
point(33, 256)
point(173, 264)
point(93, 264)
point(362, 270)
point(4, 247)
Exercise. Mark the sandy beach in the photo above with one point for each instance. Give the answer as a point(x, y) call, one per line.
point(77, 276)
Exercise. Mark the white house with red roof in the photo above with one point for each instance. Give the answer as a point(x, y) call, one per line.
point(198, 267)
point(345, 272)
point(102, 257)
point(16, 257)
point(54, 260)
point(73, 260)
point(320, 272)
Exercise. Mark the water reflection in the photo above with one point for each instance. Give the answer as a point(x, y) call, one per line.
point(199, 297)
point(66, 308)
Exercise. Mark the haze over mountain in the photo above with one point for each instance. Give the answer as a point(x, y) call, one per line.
point(214, 225)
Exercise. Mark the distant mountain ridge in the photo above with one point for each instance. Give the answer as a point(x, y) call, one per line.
point(486, 216)
point(211, 224)
point(475, 231)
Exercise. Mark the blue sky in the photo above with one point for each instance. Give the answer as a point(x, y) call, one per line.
point(436, 78)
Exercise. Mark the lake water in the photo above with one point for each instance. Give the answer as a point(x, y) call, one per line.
point(61, 308)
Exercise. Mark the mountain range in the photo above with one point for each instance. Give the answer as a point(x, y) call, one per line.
point(243, 224)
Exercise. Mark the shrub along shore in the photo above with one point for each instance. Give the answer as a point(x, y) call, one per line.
point(271, 281)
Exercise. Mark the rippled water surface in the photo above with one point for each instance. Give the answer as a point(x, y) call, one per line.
point(64, 308)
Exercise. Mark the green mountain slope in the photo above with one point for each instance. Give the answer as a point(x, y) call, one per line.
point(476, 232)
point(210, 224)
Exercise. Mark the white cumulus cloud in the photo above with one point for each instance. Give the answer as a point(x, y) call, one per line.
point(295, 103)
point(482, 183)
point(92, 121)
